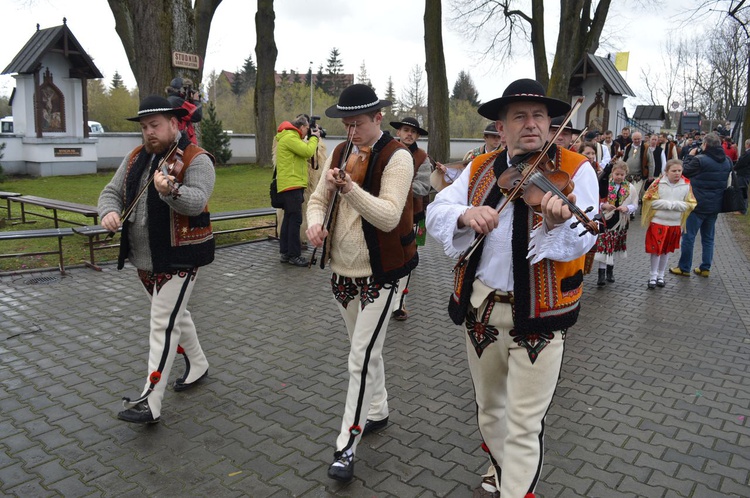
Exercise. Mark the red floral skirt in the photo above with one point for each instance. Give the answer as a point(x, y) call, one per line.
point(661, 239)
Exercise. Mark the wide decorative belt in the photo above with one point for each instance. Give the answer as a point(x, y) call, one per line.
point(503, 297)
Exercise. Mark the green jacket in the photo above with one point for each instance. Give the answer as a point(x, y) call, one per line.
point(292, 154)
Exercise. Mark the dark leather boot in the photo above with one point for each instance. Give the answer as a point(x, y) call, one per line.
point(601, 280)
point(610, 273)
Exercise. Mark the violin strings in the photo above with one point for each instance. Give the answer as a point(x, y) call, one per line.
point(545, 184)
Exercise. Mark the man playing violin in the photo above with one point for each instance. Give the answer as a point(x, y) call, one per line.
point(166, 235)
point(519, 292)
point(370, 246)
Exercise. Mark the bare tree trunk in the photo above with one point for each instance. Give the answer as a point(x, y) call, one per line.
point(150, 31)
point(579, 35)
point(538, 44)
point(265, 86)
point(437, 83)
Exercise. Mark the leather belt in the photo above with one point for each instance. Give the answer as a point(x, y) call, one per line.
point(503, 297)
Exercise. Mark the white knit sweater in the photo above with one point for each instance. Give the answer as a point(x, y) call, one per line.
point(349, 254)
point(670, 205)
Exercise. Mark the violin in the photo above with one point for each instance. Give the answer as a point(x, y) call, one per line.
point(170, 164)
point(547, 178)
point(356, 165)
point(347, 160)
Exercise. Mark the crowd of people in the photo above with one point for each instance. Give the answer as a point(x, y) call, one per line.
point(367, 205)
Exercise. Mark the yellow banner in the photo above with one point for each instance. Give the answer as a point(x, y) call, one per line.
point(621, 61)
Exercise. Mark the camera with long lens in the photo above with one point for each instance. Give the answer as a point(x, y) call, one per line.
point(313, 125)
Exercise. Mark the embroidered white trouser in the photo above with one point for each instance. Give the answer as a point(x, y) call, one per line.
point(171, 324)
point(513, 396)
point(366, 329)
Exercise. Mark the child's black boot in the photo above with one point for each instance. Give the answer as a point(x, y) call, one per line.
point(611, 273)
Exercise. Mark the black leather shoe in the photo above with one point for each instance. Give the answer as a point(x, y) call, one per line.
point(374, 426)
point(179, 384)
point(139, 414)
point(343, 473)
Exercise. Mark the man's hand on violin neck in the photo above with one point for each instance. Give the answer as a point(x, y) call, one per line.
point(335, 182)
point(161, 182)
point(554, 209)
point(481, 219)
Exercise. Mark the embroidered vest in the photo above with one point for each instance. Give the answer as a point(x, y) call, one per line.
point(547, 293)
point(176, 241)
point(392, 254)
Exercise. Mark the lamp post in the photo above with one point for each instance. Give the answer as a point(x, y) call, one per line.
point(311, 88)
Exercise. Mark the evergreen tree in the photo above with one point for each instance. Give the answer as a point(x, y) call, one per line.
point(213, 137)
point(363, 78)
point(334, 68)
point(308, 78)
point(464, 89)
point(249, 74)
point(117, 81)
point(319, 80)
point(390, 94)
point(237, 84)
point(284, 77)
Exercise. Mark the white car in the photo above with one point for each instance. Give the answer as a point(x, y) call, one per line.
point(6, 124)
point(95, 128)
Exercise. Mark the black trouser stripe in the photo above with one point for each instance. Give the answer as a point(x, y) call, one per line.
point(368, 352)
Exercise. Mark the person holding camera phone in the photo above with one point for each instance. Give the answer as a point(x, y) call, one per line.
point(182, 95)
point(292, 153)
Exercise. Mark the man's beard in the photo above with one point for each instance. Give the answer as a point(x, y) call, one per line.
point(157, 147)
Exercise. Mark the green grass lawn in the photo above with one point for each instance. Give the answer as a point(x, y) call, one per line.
point(237, 187)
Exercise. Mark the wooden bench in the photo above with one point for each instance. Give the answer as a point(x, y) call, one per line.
point(94, 232)
point(246, 213)
point(38, 234)
point(7, 196)
point(55, 205)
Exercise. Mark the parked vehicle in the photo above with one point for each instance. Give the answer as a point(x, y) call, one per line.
point(95, 128)
point(6, 124)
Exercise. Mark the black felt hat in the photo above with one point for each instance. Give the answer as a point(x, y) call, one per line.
point(409, 121)
point(557, 121)
point(154, 104)
point(523, 90)
point(491, 129)
point(354, 100)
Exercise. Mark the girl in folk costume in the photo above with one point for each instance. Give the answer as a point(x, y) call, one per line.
point(666, 206)
point(620, 202)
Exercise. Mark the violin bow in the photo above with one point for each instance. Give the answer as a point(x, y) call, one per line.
point(126, 214)
point(578, 138)
point(342, 175)
point(464, 258)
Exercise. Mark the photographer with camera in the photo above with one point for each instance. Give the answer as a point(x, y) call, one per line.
point(182, 95)
point(292, 153)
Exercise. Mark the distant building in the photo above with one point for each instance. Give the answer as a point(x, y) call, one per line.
point(653, 116)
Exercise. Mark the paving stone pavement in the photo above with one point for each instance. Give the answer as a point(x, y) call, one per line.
point(653, 401)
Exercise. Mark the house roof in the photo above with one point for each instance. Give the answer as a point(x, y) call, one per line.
point(57, 39)
point(649, 113)
point(614, 83)
point(736, 113)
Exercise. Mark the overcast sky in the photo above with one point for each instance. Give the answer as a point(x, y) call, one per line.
point(387, 35)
